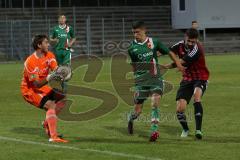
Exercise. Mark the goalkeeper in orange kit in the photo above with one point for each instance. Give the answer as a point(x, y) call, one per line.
point(37, 73)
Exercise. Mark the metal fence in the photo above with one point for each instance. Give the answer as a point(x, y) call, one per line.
point(92, 36)
point(16, 36)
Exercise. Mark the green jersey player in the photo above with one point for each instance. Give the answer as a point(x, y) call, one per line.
point(63, 37)
point(148, 80)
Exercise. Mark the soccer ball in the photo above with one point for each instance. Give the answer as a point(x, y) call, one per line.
point(65, 72)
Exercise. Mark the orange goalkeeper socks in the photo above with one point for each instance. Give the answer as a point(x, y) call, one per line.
point(51, 119)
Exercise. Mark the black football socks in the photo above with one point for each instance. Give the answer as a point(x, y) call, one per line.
point(183, 120)
point(198, 111)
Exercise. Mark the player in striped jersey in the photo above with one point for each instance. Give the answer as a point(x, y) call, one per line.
point(194, 82)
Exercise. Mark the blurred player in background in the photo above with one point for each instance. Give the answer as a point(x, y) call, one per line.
point(195, 25)
point(148, 80)
point(194, 82)
point(34, 88)
point(63, 38)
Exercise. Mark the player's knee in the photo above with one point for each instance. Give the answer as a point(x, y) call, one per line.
point(50, 105)
point(197, 94)
point(181, 105)
point(155, 100)
point(197, 98)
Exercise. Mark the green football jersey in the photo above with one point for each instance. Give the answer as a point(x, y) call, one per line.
point(64, 35)
point(144, 58)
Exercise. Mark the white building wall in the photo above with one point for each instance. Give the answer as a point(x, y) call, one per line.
point(208, 13)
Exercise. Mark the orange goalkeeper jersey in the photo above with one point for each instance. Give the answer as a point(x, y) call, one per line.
point(36, 68)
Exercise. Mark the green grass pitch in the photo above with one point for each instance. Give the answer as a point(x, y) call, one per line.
point(106, 138)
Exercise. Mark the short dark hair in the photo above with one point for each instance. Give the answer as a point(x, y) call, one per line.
point(138, 24)
point(194, 22)
point(38, 39)
point(192, 33)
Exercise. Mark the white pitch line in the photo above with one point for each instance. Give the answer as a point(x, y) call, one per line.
point(106, 152)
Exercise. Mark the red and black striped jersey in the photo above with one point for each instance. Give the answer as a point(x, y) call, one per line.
point(194, 58)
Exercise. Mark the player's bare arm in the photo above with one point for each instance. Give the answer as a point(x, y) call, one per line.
point(72, 41)
point(173, 65)
point(53, 40)
point(177, 61)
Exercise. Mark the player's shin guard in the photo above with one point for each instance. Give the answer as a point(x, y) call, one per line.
point(183, 120)
point(198, 111)
point(51, 119)
point(155, 119)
